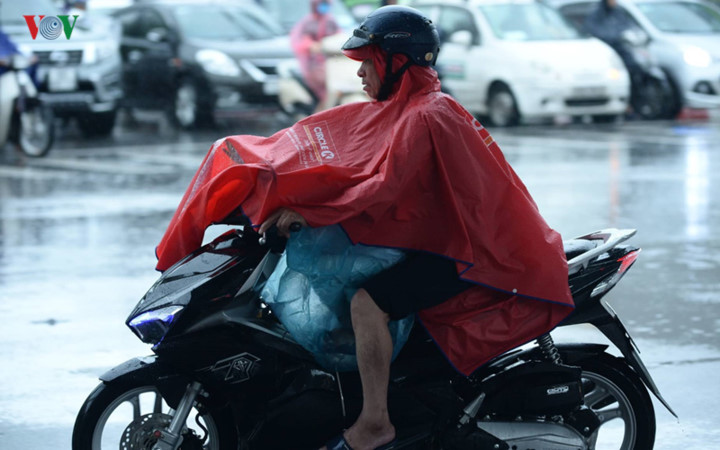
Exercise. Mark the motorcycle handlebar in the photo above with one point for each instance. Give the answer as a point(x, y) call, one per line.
point(272, 235)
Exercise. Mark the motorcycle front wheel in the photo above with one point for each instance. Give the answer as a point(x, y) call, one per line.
point(620, 400)
point(126, 415)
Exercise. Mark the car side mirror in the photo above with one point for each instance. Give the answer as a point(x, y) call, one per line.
point(462, 37)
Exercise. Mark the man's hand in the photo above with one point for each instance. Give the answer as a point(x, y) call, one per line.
point(283, 218)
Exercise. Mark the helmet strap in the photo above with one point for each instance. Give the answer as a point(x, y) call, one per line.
point(390, 77)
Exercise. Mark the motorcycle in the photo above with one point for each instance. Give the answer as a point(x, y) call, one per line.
point(226, 374)
point(24, 119)
point(651, 93)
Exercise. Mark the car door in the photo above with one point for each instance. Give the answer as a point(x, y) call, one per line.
point(148, 50)
point(462, 56)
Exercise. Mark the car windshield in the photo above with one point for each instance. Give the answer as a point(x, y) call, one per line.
point(12, 12)
point(682, 17)
point(528, 22)
point(231, 22)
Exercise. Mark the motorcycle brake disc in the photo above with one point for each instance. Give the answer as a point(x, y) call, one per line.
point(140, 433)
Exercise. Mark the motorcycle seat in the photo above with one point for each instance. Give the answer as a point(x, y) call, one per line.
point(576, 247)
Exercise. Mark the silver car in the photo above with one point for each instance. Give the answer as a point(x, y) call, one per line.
point(684, 39)
point(78, 72)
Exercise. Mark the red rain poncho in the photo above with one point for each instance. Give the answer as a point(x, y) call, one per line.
point(416, 172)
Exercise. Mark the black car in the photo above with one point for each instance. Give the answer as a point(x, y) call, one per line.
point(194, 59)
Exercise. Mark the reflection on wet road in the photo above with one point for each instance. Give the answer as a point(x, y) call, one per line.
point(78, 231)
point(663, 181)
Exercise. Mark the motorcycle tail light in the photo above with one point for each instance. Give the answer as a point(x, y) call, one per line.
point(625, 262)
point(151, 326)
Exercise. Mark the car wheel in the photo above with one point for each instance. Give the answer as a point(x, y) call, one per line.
point(190, 106)
point(185, 104)
point(674, 100)
point(650, 100)
point(502, 107)
point(97, 124)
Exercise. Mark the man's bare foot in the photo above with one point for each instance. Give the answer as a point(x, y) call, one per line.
point(369, 437)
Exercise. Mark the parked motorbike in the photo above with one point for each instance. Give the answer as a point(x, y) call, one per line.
point(226, 374)
point(24, 119)
point(296, 98)
point(651, 93)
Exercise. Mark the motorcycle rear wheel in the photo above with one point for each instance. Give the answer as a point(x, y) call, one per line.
point(621, 401)
point(35, 130)
point(124, 415)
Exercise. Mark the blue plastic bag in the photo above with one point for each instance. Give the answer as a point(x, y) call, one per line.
point(311, 288)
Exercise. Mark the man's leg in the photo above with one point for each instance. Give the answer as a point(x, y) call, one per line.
point(374, 352)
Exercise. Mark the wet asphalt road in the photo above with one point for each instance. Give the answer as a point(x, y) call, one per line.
point(78, 231)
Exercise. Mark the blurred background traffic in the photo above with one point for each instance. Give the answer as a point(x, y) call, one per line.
point(510, 62)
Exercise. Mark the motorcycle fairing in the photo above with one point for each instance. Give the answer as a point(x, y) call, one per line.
point(193, 273)
point(389, 173)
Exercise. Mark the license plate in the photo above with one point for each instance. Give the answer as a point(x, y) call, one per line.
point(589, 91)
point(62, 79)
point(270, 87)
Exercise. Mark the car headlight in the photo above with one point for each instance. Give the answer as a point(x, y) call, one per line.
point(151, 326)
point(99, 51)
point(217, 63)
point(613, 73)
point(697, 57)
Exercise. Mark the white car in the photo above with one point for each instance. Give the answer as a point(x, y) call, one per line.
point(684, 40)
point(521, 60)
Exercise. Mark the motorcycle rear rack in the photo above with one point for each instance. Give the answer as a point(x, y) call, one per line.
point(610, 237)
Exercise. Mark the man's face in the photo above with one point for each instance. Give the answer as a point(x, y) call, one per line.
point(370, 79)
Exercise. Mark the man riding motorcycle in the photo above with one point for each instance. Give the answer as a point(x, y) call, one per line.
point(411, 170)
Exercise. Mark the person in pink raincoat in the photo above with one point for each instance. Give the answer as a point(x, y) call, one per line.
point(306, 40)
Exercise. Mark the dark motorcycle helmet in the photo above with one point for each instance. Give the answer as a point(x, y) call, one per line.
point(397, 30)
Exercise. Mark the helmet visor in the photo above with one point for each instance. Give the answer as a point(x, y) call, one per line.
point(360, 38)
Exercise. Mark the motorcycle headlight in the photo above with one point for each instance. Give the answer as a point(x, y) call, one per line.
point(697, 57)
point(151, 326)
point(217, 63)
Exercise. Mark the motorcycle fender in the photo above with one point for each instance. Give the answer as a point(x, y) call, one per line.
point(148, 370)
point(10, 91)
point(612, 327)
point(136, 368)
